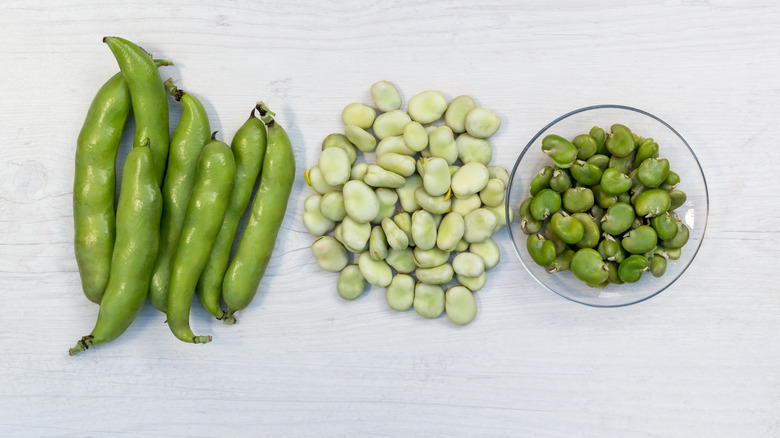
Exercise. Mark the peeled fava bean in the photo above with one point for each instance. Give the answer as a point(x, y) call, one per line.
point(460, 305)
point(406, 193)
point(455, 116)
point(499, 173)
point(423, 229)
point(415, 136)
point(396, 238)
point(428, 300)
point(400, 293)
point(394, 144)
point(404, 222)
point(466, 205)
point(386, 97)
point(474, 150)
point(430, 258)
point(376, 272)
point(482, 123)
point(353, 235)
point(433, 204)
point(316, 181)
point(313, 220)
point(387, 200)
point(427, 107)
point(377, 243)
point(329, 254)
point(351, 283)
point(403, 165)
point(493, 193)
point(358, 171)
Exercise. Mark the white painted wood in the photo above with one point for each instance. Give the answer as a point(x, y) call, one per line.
point(701, 359)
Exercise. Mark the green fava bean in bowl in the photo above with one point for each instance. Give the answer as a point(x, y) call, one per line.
point(598, 122)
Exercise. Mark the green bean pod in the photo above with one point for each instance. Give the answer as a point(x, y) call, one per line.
point(147, 93)
point(248, 147)
point(137, 235)
point(191, 135)
point(94, 183)
point(205, 213)
point(257, 243)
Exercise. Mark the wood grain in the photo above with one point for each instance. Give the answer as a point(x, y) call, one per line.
point(701, 359)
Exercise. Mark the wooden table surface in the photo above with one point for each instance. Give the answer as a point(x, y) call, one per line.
point(700, 359)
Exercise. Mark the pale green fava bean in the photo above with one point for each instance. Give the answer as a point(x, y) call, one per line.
point(390, 123)
point(427, 107)
point(460, 305)
point(466, 205)
point(359, 115)
point(378, 177)
point(377, 244)
point(471, 178)
point(432, 204)
point(396, 238)
point(353, 235)
point(387, 200)
point(332, 206)
point(482, 123)
point(358, 171)
point(403, 165)
point(406, 193)
point(342, 142)
point(316, 181)
point(442, 144)
point(436, 177)
point(453, 169)
point(479, 225)
point(400, 293)
point(430, 258)
point(376, 272)
point(488, 250)
point(455, 116)
point(360, 138)
point(360, 201)
point(472, 283)
point(436, 275)
point(428, 300)
point(474, 150)
point(500, 212)
point(335, 166)
point(329, 254)
point(493, 193)
point(467, 264)
point(450, 231)
point(462, 245)
point(423, 229)
point(386, 97)
point(404, 221)
point(415, 136)
point(313, 220)
point(393, 144)
point(499, 172)
point(401, 260)
point(351, 283)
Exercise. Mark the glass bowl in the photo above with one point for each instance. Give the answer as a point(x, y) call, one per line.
point(671, 146)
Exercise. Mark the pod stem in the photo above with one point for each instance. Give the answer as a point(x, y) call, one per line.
point(228, 318)
point(201, 339)
point(266, 115)
point(173, 90)
point(163, 63)
point(83, 344)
